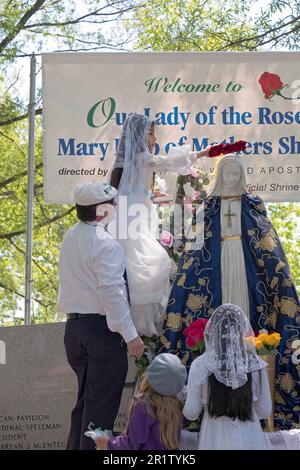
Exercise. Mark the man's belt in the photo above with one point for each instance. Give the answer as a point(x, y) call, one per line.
point(79, 316)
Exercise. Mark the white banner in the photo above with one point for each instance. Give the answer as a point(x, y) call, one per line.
point(196, 98)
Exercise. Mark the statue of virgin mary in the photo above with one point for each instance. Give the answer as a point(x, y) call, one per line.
point(240, 261)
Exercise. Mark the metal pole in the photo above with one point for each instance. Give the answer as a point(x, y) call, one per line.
point(30, 189)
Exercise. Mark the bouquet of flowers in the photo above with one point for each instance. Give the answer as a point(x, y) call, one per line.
point(152, 345)
point(189, 193)
point(266, 342)
point(195, 336)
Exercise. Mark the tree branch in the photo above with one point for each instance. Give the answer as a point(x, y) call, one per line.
point(7, 236)
point(6, 182)
point(81, 19)
point(19, 118)
point(13, 291)
point(35, 262)
point(21, 24)
point(258, 37)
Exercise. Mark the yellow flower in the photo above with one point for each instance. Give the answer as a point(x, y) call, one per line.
point(263, 337)
point(258, 344)
point(276, 335)
point(272, 341)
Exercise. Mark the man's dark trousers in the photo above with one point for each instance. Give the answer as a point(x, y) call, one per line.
point(99, 360)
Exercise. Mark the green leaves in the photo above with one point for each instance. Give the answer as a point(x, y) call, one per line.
point(193, 25)
point(286, 220)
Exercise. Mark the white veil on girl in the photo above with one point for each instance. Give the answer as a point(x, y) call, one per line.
point(133, 155)
point(147, 263)
point(230, 352)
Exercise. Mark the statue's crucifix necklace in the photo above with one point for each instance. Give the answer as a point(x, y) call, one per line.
point(230, 214)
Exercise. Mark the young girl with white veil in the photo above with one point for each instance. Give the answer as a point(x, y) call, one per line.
point(229, 380)
point(147, 262)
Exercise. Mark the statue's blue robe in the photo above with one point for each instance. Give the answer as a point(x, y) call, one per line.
point(274, 303)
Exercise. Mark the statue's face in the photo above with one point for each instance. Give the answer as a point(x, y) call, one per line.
point(231, 176)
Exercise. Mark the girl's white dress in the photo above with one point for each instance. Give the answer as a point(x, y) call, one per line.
point(147, 262)
point(223, 433)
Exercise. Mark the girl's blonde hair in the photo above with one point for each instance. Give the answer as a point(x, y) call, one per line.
point(166, 409)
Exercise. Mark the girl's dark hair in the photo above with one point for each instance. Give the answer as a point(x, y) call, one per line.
point(224, 401)
point(116, 176)
point(88, 213)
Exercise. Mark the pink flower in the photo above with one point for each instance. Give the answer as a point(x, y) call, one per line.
point(188, 206)
point(190, 342)
point(200, 323)
point(166, 238)
point(196, 195)
point(195, 335)
point(194, 173)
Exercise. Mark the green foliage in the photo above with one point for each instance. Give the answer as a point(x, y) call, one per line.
point(50, 223)
point(181, 25)
point(286, 220)
point(196, 25)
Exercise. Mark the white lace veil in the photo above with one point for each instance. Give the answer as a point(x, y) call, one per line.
point(133, 154)
point(229, 346)
point(218, 185)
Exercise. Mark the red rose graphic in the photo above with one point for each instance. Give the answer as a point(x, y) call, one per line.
point(270, 84)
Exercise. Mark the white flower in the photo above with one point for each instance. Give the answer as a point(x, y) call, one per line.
point(188, 189)
point(161, 184)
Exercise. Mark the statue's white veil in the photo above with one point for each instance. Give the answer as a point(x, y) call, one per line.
point(218, 185)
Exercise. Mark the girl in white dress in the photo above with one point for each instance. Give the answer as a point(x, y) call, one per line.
point(147, 262)
point(229, 381)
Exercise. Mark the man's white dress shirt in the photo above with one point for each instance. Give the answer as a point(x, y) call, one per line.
point(91, 270)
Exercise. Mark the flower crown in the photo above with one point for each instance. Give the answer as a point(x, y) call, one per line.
point(223, 149)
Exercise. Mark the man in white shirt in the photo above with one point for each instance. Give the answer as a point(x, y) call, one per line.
point(99, 329)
